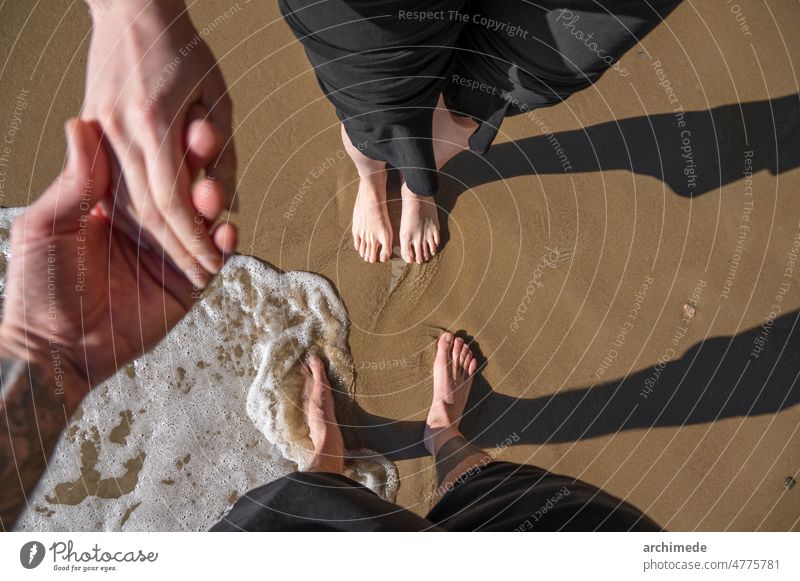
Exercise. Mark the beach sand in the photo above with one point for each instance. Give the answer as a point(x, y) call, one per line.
point(637, 326)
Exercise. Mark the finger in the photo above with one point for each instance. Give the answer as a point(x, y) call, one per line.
point(208, 199)
point(170, 192)
point(225, 237)
point(147, 228)
point(169, 281)
point(220, 109)
point(201, 140)
point(150, 228)
point(128, 174)
point(180, 258)
point(82, 183)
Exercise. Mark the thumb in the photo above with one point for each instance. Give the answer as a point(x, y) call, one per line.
point(82, 183)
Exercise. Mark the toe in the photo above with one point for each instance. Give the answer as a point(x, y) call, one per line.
point(370, 251)
point(366, 248)
point(458, 343)
point(426, 254)
point(468, 359)
point(431, 248)
point(418, 256)
point(443, 348)
point(464, 353)
point(472, 366)
point(317, 368)
point(356, 241)
point(385, 239)
point(407, 251)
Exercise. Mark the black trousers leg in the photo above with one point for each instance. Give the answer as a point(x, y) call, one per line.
point(317, 501)
point(502, 496)
point(516, 56)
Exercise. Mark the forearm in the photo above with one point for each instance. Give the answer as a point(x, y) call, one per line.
point(97, 6)
point(38, 396)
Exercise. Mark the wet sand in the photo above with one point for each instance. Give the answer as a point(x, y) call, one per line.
point(635, 306)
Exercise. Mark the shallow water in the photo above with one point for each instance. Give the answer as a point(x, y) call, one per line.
point(214, 410)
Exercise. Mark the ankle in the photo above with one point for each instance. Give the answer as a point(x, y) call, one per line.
point(465, 123)
point(435, 436)
point(373, 183)
point(416, 200)
point(439, 417)
point(326, 463)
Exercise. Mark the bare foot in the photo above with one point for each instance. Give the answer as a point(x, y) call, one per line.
point(372, 230)
point(322, 427)
point(419, 227)
point(453, 372)
point(419, 224)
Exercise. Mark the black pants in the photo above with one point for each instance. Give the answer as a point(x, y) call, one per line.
point(500, 496)
point(384, 63)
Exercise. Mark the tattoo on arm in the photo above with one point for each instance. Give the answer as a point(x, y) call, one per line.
point(32, 417)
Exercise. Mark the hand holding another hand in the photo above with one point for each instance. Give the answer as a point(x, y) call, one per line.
point(147, 68)
point(84, 295)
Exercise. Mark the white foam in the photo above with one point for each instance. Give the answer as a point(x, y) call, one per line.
point(6, 216)
point(215, 410)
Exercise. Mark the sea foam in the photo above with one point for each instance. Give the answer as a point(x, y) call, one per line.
point(174, 438)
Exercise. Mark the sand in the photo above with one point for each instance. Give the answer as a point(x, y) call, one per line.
point(656, 358)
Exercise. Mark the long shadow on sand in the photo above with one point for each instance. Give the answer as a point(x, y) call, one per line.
point(722, 377)
point(712, 142)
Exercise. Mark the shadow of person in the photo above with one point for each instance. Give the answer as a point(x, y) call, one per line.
point(693, 152)
point(750, 374)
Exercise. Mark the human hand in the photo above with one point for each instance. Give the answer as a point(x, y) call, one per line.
point(147, 67)
point(81, 293)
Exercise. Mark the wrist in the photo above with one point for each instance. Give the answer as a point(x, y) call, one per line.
point(53, 368)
